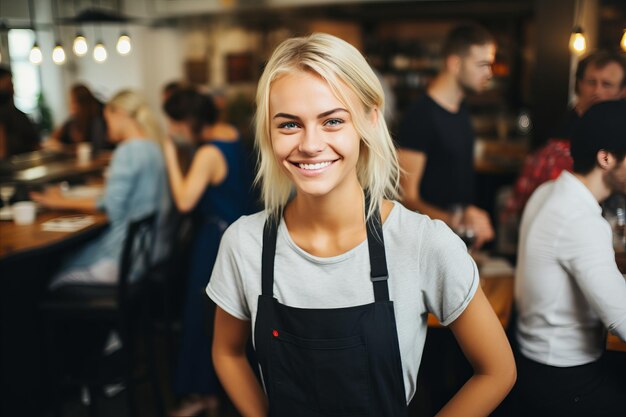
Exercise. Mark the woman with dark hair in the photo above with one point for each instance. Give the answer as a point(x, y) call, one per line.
point(216, 190)
point(86, 122)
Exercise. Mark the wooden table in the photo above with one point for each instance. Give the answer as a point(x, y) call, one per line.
point(29, 240)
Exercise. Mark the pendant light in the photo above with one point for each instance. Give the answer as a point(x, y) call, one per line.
point(80, 46)
point(99, 51)
point(35, 55)
point(58, 53)
point(623, 41)
point(577, 40)
point(123, 44)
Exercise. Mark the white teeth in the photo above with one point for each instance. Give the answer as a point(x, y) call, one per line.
point(313, 167)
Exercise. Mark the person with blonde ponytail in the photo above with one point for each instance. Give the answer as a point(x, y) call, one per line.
point(136, 186)
point(335, 280)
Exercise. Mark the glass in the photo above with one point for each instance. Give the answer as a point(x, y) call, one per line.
point(6, 192)
point(465, 232)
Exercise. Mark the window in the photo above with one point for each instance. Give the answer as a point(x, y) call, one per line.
point(26, 81)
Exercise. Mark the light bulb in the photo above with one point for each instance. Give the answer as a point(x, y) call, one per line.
point(100, 52)
point(80, 45)
point(35, 55)
point(577, 41)
point(123, 44)
point(58, 54)
point(623, 41)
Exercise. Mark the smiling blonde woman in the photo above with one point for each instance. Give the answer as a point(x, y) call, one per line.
point(334, 279)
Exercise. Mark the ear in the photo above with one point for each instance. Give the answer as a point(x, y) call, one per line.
point(605, 160)
point(453, 64)
point(374, 115)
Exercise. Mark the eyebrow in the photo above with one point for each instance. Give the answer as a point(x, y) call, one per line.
point(319, 116)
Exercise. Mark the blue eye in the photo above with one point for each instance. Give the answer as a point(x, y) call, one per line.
point(288, 125)
point(333, 122)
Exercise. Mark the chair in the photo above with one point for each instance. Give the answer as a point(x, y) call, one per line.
point(124, 308)
point(168, 278)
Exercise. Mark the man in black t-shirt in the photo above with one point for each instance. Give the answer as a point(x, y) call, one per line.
point(17, 133)
point(437, 141)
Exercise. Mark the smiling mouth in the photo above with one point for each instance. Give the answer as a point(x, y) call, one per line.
point(313, 167)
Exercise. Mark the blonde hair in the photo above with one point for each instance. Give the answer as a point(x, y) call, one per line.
point(343, 67)
point(138, 109)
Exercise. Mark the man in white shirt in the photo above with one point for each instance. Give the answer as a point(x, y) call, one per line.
point(568, 289)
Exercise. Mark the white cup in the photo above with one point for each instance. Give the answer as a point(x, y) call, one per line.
point(24, 212)
point(83, 153)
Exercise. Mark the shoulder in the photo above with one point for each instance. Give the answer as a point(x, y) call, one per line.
point(246, 231)
point(415, 229)
point(138, 152)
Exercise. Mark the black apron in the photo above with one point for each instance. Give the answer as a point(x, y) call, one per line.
point(330, 362)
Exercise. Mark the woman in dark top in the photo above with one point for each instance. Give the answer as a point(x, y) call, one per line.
point(216, 189)
point(86, 122)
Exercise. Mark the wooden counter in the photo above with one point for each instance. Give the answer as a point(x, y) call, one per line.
point(26, 240)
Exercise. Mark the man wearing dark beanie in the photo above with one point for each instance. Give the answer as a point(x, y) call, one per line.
point(568, 289)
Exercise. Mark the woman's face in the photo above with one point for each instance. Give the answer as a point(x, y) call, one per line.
point(73, 105)
point(312, 134)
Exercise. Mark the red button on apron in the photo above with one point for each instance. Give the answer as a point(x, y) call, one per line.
point(275, 333)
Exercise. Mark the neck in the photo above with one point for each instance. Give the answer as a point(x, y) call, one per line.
point(340, 209)
point(595, 183)
point(133, 131)
point(446, 91)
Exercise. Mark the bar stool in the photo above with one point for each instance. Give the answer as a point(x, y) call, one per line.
point(123, 308)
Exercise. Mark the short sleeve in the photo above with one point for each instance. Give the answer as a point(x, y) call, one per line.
point(451, 274)
point(226, 286)
point(120, 183)
point(416, 129)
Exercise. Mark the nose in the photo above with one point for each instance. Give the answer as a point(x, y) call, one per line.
point(311, 142)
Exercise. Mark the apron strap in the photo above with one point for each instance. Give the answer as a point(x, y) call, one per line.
point(375, 243)
point(378, 260)
point(270, 232)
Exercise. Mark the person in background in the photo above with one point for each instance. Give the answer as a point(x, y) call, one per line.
point(600, 76)
point(17, 133)
point(169, 89)
point(216, 190)
point(135, 186)
point(436, 139)
point(333, 279)
point(85, 124)
point(568, 289)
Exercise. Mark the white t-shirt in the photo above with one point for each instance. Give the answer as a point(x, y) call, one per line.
point(429, 271)
point(568, 289)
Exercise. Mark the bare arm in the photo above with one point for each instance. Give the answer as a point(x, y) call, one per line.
point(232, 367)
point(53, 198)
point(412, 164)
point(482, 339)
point(187, 190)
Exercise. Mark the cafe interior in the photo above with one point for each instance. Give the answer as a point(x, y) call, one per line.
point(66, 55)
